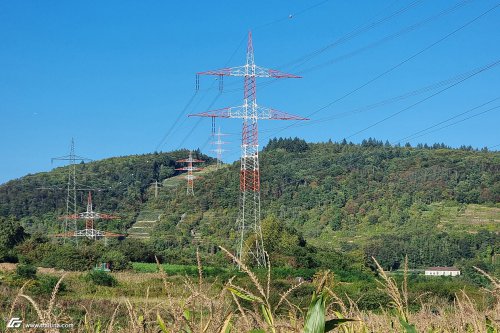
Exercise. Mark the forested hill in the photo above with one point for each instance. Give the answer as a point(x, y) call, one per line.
point(119, 184)
point(436, 203)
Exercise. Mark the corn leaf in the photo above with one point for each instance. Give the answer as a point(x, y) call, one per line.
point(161, 323)
point(315, 318)
point(409, 328)
point(244, 296)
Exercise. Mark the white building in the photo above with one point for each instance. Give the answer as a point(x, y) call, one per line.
point(442, 271)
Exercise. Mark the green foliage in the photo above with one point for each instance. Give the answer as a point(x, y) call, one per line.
point(315, 321)
point(117, 260)
point(45, 284)
point(315, 317)
point(409, 328)
point(325, 205)
point(26, 271)
point(101, 278)
point(11, 234)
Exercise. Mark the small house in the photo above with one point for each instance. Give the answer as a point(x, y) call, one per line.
point(442, 271)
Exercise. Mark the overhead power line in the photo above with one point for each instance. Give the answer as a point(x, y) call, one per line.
point(458, 121)
point(413, 135)
point(487, 67)
point(395, 66)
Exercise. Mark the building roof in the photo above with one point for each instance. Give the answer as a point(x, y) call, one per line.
point(442, 269)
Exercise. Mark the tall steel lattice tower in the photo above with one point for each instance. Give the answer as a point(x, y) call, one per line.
point(190, 168)
point(70, 223)
point(251, 243)
point(218, 147)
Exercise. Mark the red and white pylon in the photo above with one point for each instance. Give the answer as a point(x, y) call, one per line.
point(249, 210)
point(89, 216)
point(190, 168)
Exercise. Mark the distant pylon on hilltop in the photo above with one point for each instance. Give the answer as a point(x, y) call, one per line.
point(251, 244)
point(190, 168)
point(218, 146)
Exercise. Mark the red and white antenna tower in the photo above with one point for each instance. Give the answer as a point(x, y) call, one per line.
point(89, 216)
point(190, 168)
point(218, 147)
point(249, 210)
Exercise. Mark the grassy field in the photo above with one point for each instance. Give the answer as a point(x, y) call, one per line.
point(175, 298)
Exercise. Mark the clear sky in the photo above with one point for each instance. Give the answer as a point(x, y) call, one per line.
point(116, 75)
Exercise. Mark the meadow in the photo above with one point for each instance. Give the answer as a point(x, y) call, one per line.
point(176, 298)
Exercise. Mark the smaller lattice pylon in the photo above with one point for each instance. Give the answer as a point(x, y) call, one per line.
point(156, 185)
point(89, 216)
point(218, 146)
point(190, 168)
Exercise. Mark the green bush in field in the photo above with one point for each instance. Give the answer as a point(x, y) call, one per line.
point(26, 271)
point(45, 285)
point(116, 259)
point(101, 278)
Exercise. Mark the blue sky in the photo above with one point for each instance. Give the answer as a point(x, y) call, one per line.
point(115, 75)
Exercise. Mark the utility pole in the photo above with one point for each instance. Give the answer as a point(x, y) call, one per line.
point(190, 168)
point(156, 184)
point(70, 224)
point(218, 147)
point(89, 216)
point(249, 209)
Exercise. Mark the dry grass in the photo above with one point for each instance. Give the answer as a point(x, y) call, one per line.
point(202, 307)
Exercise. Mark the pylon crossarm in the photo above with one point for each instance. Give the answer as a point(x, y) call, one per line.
point(189, 169)
point(228, 71)
point(71, 217)
point(219, 113)
point(269, 113)
point(249, 70)
point(219, 142)
point(187, 160)
point(70, 158)
point(274, 73)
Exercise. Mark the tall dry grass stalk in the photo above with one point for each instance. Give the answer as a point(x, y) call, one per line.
point(201, 307)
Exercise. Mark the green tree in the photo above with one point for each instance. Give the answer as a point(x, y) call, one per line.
point(11, 234)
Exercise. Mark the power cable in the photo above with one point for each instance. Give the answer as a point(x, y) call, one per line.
point(459, 121)
point(487, 67)
point(411, 136)
point(397, 65)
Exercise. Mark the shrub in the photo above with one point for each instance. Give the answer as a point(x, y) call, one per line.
point(101, 278)
point(26, 271)
point(116, 259)
point(45, 285)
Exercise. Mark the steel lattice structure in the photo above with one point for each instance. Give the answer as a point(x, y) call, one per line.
point(218, 147)
point(69, 223)
point(250, 242)
point(89, 216)
point(190, 168)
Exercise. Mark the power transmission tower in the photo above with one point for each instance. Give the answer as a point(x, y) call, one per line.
point(89, 216)
point(218, 147)
point(190, 168)
point(249, 209)
point(68, 223)
point(156, 185)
